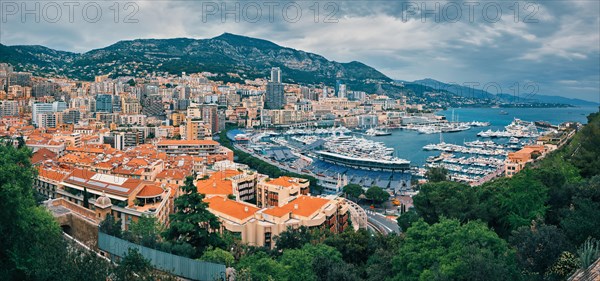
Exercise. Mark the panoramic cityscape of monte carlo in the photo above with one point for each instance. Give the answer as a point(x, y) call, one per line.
point(307, 140)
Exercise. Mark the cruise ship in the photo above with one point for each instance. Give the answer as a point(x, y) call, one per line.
point(361, 153)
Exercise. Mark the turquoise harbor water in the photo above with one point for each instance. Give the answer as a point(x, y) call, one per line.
point(409, 144)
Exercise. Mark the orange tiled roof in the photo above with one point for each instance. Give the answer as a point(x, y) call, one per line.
point(307, 205)
point(52, 174)
point(41, 155)
point(231, 208)
point(217, 183)
point(283, 181)
point(172, 174)
point(150, 191)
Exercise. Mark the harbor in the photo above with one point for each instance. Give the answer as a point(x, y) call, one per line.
point(393, 156)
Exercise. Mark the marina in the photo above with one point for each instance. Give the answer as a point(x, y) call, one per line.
point(391, 156)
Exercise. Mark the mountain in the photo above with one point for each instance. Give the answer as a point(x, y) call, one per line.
point(472, 92)
point(559, 99)
point(228, 53)
point(456, 89)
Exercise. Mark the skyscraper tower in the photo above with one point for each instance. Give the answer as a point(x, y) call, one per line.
point(275, 75)
point(275, 97)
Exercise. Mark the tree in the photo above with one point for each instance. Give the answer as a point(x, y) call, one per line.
point(31, 244)
point(509, 203)
point(450, 251)
point(581, 218)
point(437, 174)
point(538, 248)
point(293, 238)
point(86, 198)
point(145, 231)
point(448, 199)
point(353, 190)
point(259, 266)
point(377, 195)
point(111, 226)
point(585, 147)
point(566, 264)
point(133, 266)
point(192, 223)
point(86, 265)
point(407, 219)
point(217, 255)
point(355, 246)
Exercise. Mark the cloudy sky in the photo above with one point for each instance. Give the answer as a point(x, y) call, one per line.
point(553, 45)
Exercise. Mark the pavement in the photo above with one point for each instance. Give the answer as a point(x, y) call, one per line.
point(382, 223)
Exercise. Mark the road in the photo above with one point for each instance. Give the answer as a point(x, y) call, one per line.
point(382, 223)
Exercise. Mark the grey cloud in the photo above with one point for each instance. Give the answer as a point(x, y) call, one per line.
point(562, 45)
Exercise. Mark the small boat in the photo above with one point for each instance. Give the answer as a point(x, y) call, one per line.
point(502, 112)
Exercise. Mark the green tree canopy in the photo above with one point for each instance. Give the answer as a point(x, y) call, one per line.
point(218, 255)
point(449, 199)
point(377, 194)
point(192, 223)
point(450, 251)
point(538, 247)
point(437, 174)
point(353, 190)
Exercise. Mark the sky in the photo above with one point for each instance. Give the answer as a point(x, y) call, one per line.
point(548, 47)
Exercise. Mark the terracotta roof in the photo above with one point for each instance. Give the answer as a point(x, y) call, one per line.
point(214, 187)
point(218, 183)
point(150, 191)
point(285, 181)
point(52, 174)
point(171, 174)
point(41, 155)
point(276, 212)
point(306, 206)
point(231, 208)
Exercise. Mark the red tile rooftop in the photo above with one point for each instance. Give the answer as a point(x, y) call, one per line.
point(150, 191)
point(304, 206)
point(231, 208)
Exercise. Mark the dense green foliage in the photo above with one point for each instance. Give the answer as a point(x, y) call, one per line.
point(437, 174)
point(377, 195)
point(449, 250)
point(353, 190)
point(192, 223)
point(545, 212)
point(32, 246)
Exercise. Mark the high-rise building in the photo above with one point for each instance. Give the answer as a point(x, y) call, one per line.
point(71, 116)
point(42, 108)
point(9, 108)
point(275, 75)
point(210, 117)
point(195, 129)
point(152, 106)
point(47, 120)
point(275, 96)
point(104, 103)
point(340, 89)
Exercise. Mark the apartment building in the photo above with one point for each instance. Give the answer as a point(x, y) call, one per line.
point(278, 192)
